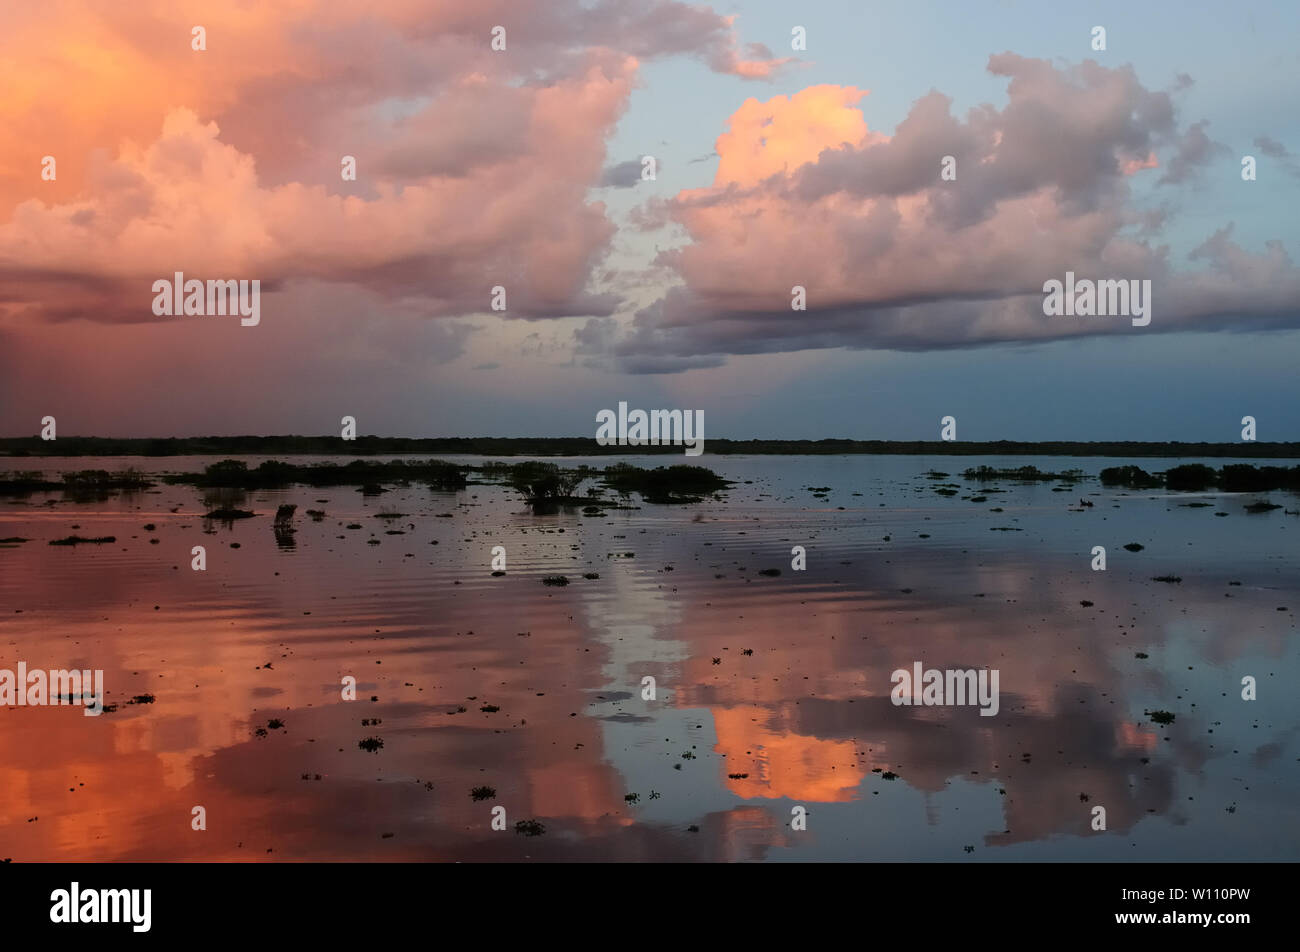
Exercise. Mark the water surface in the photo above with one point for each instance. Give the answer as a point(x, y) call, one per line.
point(772, 692)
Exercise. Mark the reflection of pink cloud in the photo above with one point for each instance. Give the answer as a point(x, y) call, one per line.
point(763, 757)
point(1133, 737)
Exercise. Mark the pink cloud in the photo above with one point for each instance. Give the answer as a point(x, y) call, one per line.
point(893, 255)
point(474, 165)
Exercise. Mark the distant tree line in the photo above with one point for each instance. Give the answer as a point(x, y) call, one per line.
point(587, 446)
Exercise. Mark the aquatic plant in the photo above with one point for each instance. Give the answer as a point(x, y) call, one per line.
point(543, 482)
point(664, 484)
point(1190, 477)
point(229, 515)
point(1131, 477)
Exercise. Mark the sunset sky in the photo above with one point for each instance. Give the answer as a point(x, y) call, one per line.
point(776, 167)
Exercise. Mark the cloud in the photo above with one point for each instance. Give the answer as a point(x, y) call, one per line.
point(893, 256)
point(623, 175)
point(1270, 146)
point(1194, 151)
point(1290, 163)
point(473, 165)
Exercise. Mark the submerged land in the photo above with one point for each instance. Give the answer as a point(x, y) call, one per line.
point(587, 446)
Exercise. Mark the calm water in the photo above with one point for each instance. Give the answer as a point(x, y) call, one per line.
point(772, 692)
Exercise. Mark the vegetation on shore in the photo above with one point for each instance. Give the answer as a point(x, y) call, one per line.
point(587, 446)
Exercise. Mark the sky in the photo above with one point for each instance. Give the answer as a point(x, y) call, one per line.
point(793, 144)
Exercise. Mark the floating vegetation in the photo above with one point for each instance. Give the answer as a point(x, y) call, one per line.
point(1022, 473)
point(80, 540)
point(770, 572)
point(229, 515)
point(235, 474)
point(24, 484)
point(530, 828)
point(1197, 477)
point(371, 744)
point(1134, 547)
point(81, 483)
point(1131, 477)
point(1191, 477)
point(101, 481)
point(1243, 478)
point(1261, 507)
point(1166, 578)
point(483, 793)
point(1160, 717)
point(556, 580)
